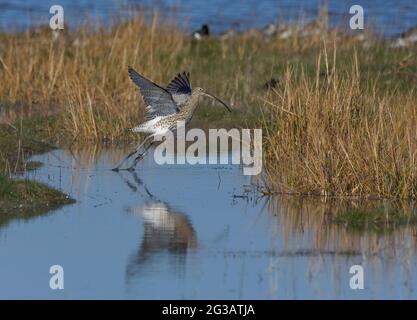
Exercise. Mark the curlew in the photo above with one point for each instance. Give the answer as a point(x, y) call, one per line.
point(164, 108)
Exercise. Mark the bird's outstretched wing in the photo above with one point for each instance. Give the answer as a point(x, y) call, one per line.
point(180, 88)
point(158, 101)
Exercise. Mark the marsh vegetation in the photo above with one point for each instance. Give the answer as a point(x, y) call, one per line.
point(338, 110)
point(20, 196)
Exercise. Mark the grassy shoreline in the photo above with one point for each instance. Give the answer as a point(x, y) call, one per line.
point(21, 197)
point(340, 120)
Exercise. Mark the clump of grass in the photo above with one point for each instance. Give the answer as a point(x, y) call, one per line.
point(26, 198)
point(378, 219)
point(342, 130)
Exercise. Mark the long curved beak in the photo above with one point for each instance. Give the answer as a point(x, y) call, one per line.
point(218, 99)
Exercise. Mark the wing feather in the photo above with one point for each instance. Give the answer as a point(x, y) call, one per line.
point(180, 88)
point(158, 101)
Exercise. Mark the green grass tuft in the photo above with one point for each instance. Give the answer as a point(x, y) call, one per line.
point(378, 219)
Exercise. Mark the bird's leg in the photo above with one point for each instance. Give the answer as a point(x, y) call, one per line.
point(132, 153)
point(140, 156)
point(124, 160)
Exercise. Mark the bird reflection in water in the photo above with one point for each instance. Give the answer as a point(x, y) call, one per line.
point(167, 232)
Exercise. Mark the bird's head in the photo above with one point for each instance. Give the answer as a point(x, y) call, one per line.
point(201, 92)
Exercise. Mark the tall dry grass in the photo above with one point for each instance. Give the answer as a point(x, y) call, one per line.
point(341, 134)
point(82, 75)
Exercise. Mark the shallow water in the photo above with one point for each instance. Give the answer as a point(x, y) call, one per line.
point(389, 16)
point(196, 232)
